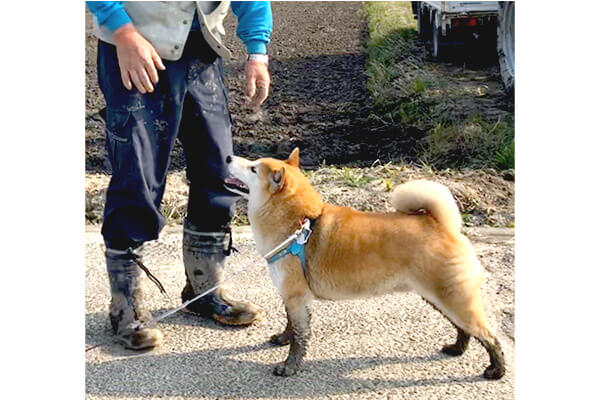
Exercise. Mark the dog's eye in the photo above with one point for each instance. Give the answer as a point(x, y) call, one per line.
point(253, 169)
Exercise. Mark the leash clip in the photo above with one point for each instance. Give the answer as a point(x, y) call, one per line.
point(304, 232)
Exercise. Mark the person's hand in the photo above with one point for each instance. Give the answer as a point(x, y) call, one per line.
point(257, 82)
point(138, 59)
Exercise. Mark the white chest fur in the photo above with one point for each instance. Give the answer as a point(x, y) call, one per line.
point(263, 246)
point(277, 275)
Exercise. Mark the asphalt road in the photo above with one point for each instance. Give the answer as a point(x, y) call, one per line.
point(379, 348)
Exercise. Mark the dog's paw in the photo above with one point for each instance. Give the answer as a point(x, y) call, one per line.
point(284, 370)
point(453, 350)
point(281, 339)
point(493, 372)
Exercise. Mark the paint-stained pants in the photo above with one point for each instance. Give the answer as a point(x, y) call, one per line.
point(189, 102)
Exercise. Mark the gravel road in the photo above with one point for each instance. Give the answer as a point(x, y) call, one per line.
point(379, 348)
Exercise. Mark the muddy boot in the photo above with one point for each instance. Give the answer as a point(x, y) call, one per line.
point(204, 256)
point(125, 309)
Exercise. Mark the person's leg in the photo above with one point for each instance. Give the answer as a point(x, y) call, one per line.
point(126, 308)
point(205, 133)
point(141, 130)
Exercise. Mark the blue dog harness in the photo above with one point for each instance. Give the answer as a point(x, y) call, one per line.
point(295, 245)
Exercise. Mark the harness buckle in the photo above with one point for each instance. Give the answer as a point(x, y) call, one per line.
point(304, 232)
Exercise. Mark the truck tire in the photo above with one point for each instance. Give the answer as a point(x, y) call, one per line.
point(424, 26)
point(440, 43)
point(506, 44)
point(415, 7)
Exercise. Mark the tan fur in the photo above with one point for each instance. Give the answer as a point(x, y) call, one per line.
point(434, 197)
point(352, 253)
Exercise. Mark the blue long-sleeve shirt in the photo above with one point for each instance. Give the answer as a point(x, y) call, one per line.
point(255, 20)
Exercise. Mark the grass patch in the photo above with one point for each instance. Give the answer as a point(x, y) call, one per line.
point(413, 93)
point(353, 177)
point(474, 142)
point(396, 80)
point(484, 197)
point(505, 156)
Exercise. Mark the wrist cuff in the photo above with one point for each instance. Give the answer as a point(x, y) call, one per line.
point(259, 57)
point(117, 20)
point(256, 47)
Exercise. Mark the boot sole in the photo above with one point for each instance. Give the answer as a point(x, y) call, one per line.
point(232, 323)
point(126, 344)
point(222, 320)
point(150, 341)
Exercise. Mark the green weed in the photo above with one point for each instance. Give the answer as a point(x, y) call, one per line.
point(354, 178)
point(388, 183)
point(474, 142)
point(409, 93)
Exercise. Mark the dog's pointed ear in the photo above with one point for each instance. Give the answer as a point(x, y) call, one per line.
point(294, 158)
point(276, 180)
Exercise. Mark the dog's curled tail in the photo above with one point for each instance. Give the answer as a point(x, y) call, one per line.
point(431, 196)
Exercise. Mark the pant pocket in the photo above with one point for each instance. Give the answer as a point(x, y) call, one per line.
point(118, 138)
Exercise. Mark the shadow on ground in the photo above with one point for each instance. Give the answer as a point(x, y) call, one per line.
point(98, 331)
point(217, 373)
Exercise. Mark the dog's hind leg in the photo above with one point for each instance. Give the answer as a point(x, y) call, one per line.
point(299, 314)
point(463, 306)
point(496, 369)
point(462, 339)
point(460, 346)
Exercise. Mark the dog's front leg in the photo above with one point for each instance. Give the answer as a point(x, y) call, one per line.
point(298, 312)
point(284, 337)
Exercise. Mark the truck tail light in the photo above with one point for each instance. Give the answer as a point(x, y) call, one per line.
point(470, 22)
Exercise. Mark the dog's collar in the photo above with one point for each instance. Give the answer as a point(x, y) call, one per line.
point(296, 245)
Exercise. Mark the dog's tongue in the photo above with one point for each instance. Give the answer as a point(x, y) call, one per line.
point(235, 185)
point(233, 181)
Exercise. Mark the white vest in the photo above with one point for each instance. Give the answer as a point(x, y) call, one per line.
point(166, 24)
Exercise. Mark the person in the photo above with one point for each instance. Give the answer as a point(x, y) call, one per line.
point(160, 70)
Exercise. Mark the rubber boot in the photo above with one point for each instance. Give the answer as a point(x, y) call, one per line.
point(204, 255)
point(125, 306)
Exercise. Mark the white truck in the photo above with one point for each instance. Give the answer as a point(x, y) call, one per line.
point(449, 23)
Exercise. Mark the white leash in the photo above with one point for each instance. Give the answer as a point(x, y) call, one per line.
point(298, 235)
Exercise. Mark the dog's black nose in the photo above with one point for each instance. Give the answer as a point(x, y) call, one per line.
point(229, 159)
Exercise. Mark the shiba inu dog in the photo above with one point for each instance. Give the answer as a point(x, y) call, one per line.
point(351, 253)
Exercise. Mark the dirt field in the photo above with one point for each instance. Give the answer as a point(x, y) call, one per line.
point(319, 99)
point(320, 102)
point(318, 112)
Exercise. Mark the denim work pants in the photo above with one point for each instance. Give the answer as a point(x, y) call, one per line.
point(189, 102)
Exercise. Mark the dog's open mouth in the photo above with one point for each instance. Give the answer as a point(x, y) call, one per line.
point(236, 186)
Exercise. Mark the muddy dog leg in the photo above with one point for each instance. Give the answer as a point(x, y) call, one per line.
point(298, 312)
point(284, 337)
point(458, 348)
point(462, 339)
point(496, 369)
point(465, 309)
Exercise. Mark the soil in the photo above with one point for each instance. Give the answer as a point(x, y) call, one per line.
point(484, 197)
point(318, 99)
point(319, 102)
point(318, 90)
